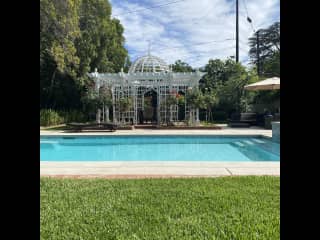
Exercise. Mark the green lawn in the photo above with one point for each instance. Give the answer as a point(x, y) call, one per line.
point(195, 208)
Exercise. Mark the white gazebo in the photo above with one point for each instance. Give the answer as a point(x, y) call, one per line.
point(148, 74)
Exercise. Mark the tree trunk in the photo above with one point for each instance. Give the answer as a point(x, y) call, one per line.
point(51, 87)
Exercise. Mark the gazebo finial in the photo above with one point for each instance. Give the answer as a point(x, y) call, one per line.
point(149, 44)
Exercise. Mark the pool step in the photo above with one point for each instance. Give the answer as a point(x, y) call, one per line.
point(248, 142)
point(243, 143)
point(49, 142)
point(258, 140)
point(240, 144)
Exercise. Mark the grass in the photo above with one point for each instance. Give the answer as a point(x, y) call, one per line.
point(196, 208)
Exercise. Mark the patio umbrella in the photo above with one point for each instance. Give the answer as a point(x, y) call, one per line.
point(267, 84)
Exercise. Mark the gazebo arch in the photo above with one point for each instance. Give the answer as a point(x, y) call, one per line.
point(147, 72)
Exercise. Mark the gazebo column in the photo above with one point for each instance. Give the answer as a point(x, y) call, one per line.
point(98, 116)
point(158, 107)
point(197, 117)
point(114, 106)
point(107, 119)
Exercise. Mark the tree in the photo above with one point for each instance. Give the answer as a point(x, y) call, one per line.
point(170, 101)
point(180, 66)
point(76, 36)
point(125, 104)
point(225, 80)
point(58, 31)
point(217, 72)
point(231, 92)
point(269, 50)
point(195, 99)
point(210, 100)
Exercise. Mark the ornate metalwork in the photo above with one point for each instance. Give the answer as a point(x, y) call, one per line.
point(148, 73)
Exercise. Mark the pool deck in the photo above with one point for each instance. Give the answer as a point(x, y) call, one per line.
point(145, 169)
point(224, 131)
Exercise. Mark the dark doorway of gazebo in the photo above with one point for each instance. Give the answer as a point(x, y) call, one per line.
point(148, 114)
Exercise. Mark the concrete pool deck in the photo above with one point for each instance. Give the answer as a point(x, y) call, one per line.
point(138, 169)
point(224, 131)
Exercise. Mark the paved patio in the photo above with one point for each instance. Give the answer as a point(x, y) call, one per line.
point(138, 169)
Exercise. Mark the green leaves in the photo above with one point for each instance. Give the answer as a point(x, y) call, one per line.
point(180, 66)
point(125, 103)
point(195, 98)
point(76, 36)
point(269, 50)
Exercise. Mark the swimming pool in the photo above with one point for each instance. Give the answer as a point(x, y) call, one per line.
point(158, 148)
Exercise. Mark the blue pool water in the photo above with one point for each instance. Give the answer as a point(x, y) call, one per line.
point(158, 148)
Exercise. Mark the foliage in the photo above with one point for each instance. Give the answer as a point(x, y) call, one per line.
point(196, 208)
point(271, 66)
point(181, 99)
point(211, 100)
point(49, 117)
point(225, 81)
point(217, 72)
point(73, 116)
point(105, 96)
point(171, 100)
point(269, 50)
point(180, 66)
point(76, 36)
point(195, 98)
point(125, 103)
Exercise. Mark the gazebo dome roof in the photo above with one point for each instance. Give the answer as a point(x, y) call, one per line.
point(149, 63)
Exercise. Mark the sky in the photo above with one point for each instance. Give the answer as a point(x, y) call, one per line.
point(193, 31)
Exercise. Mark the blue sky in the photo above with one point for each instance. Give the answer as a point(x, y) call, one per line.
point(191, 30)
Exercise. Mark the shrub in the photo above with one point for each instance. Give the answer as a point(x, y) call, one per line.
point(49, 117)
point(73, 116)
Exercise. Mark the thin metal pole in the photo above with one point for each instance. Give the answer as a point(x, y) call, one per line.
point(258, 54)
point(237, 30)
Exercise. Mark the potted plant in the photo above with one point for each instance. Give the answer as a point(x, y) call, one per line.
point(195, 100)
point(171, 100)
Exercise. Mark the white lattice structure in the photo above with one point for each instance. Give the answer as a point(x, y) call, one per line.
point(148, 73)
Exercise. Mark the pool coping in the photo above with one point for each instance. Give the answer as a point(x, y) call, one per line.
point(225, 131)
point(138, 169)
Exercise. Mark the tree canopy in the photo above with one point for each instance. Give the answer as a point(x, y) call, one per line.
point(180, 66)
point(269, 50)
point(76, 36)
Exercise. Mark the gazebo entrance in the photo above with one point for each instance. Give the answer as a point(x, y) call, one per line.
point(148, 111)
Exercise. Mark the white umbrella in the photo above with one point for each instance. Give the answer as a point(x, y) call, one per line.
point(267, 84)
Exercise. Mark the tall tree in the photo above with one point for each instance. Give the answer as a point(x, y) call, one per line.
point(269, 50)
point(76, 36)
point(217, 73)
point(58, 31)
point(180, 66)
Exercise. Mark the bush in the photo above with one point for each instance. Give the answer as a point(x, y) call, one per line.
point(73, 116)
point(49, 117)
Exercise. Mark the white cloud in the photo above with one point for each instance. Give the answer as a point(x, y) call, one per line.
point(175, 30)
